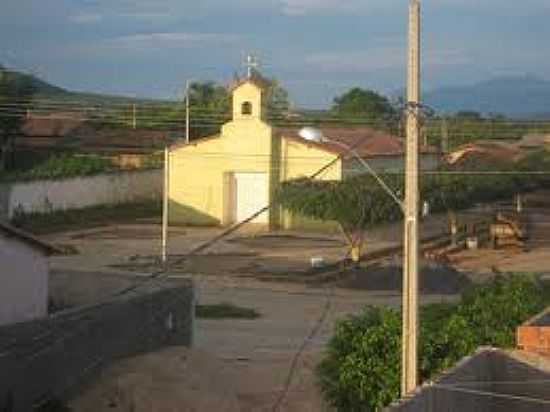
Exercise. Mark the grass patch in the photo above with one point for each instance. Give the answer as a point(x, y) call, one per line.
point(225, 311)
point(59, 221)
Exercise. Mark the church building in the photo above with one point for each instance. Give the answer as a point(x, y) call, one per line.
point(228, 177)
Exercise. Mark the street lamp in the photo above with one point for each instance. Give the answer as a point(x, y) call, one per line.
point(312, 134)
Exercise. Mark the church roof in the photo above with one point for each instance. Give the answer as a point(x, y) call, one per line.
point(256, 78)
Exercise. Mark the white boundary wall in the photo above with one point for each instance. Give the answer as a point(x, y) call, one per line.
point(44, 196)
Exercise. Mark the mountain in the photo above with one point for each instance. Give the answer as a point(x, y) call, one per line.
point(45, 90)
point(514, 96)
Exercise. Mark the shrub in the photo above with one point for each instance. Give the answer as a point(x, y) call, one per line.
point(361, 369)
point(63, 166)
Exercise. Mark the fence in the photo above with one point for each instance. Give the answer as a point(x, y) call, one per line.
point(50, 358)
point(45, 196)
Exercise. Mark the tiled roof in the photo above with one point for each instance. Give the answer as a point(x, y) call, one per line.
point(366, 141)
point(28, 238)
point(66, 131)
point(54, 125)
point(498, 151)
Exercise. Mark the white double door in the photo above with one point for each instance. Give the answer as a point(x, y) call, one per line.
point(251, 194)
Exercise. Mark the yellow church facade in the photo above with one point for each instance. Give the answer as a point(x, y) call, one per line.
point(226, 178)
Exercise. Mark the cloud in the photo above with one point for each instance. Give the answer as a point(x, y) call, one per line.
point(356, 61)
point(302, 7)
point(150, 16)
point(85, 18)
point(143, 41)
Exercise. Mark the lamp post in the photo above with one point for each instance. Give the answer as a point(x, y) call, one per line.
point(165, 199)
point(315, 135)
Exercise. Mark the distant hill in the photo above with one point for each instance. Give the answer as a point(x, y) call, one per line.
point(519, 96)
point(45, 90)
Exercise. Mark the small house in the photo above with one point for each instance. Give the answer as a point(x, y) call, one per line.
point(226, 178)
point(24, 273)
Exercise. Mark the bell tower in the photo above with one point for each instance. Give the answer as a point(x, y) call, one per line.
point(248, 93)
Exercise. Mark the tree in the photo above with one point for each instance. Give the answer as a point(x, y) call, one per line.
point(15, 94)
point(276, 97)
point(356, 204)
point(210, 106)
point(364, 103)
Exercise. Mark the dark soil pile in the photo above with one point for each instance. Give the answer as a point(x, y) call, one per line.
point(434, 279)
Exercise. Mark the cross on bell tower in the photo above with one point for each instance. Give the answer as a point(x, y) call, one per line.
point(251, 64)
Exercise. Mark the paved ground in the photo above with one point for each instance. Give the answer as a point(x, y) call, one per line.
point(254, 356)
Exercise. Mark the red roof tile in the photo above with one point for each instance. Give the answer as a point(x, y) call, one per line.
point(367, 141)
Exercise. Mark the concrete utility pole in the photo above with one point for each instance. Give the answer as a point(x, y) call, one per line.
point(187, 111)
point(409, 377)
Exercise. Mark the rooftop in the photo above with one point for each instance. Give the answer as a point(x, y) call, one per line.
point(366, 141)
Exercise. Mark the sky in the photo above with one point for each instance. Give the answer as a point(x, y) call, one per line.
point(317, 49)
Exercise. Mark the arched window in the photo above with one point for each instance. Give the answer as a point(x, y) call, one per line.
point(246, 108)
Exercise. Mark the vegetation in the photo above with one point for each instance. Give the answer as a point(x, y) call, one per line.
point(225, 311)
point(62, 166)
point(361, 370)
point(466, 127)
point(360, 106)
point(58, 221)
point(359, 203)
point(15, 94)
point(365, 103)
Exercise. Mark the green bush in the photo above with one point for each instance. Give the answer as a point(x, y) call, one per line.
point(361, 369)
point(62, 166)
point(359, 203)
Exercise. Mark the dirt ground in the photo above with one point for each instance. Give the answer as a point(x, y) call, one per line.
point(250, 359)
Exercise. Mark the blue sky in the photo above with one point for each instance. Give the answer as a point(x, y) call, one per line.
point(317, 48)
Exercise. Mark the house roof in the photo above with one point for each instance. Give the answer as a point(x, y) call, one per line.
point(28, 238)
point(366, 141)
point(491, 150)
point(533, 140)
point(64, 130)
point(52, 125)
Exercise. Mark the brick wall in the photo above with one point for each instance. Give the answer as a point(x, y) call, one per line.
point(534, 335)
point(53, 357)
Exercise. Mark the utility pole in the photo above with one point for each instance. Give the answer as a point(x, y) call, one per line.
point(134, 121)
point(444, 136)
point(165, 204)
point(187, 111)
point(409, 379)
